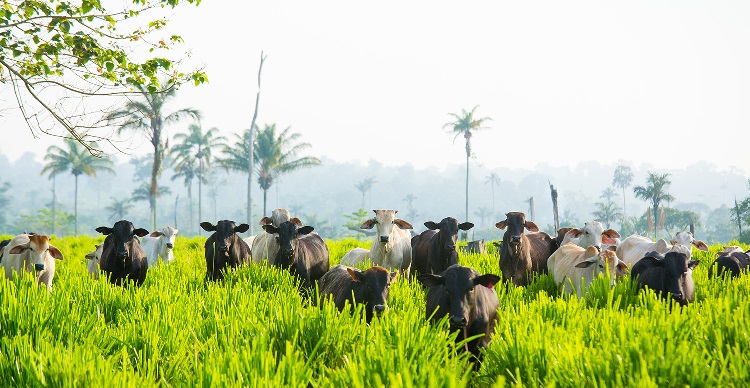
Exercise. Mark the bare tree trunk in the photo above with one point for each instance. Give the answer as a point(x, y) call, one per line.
point(265, 197)
point(531, 208)
point(200, 191)
point(54, 202)
point(739, 220)
point(177, 198)
point(250, 154)
point(75, 209)
point(466, 234)
point(553, 192)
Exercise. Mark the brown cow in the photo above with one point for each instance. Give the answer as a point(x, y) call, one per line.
point(523, 255)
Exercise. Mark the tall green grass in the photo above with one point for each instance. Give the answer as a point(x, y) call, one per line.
point(257, 329)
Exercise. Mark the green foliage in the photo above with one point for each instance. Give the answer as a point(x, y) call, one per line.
point(256, 329)
point(41, 222)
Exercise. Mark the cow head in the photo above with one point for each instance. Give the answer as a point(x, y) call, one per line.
point(122, 233)
point(169, 234)
point(678, 269)
point(603, 262)
point(287, 234)
point(448, 231)
point(515, 222)
point(593, 233)
point(686, 239)
point(385, 219)
point(460, 297)
point(224, 233)
point(96, 254)
point(377, 285)
point(38, 247)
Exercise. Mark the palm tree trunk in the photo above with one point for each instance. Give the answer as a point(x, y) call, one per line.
point(154, 187)
point(624, 212)
point(656, 218)
point(190, 202)
point(200, 193)
point(265, 196)
point(466, 235)
point(54, 201)
point(75, 209)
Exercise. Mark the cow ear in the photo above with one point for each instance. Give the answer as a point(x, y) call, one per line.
point(393, 276)
point(140, 232)
point(402, 224)
point(591, 251)
point(104, 230)
point(465, 225)
point(575, 232)
point(270, 229)
point(693, 263)
point(611, 233)
point(531, 226)
point(488, 280)
point(586, 263)
point(305, 229)
point(90, 255)
point(356, 275)
point(623, 267)
point(431, 280)
point(502, 224)
point(54, 252)
point(431, 225)
point(265, 221)
point(497, 244)
point(368, 224)
point(19, 249)
point(296, 221)
point(156, 234)
point(700, 245)
point(241, 228)
point(208, 227)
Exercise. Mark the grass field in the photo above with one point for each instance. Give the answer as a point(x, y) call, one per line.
point(257, 329)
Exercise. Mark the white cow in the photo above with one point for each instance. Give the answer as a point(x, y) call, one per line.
point(355, 256)
point(264, 245)
point(572, 265)
point(31, 253)
point(159, 245)
point(635, 247)
point(592, 234)
point(93, 258)
point(391, 247)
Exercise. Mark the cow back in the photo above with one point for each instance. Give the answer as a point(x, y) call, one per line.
point(420, 251)
point(311, 261)
point(338, 284)
point(541, 247)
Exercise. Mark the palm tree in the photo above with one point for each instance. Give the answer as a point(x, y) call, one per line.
point(119, 208)
point(79, 161)
point(196, 146)
point(143, 193)
point(148, 117)
point(275, 156)
point(655, 192)
point(608, 194)
point(493, 180)
point(607, 212)
point(365, 186)
point(622, 179)
point(187, 172)
point(483, 213)
point(464, 124)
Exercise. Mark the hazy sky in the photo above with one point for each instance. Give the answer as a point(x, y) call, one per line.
point(656, 82)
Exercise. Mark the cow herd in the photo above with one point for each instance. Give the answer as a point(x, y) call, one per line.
point(459, 294)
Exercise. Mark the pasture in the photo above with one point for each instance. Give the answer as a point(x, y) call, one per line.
point(256, 329)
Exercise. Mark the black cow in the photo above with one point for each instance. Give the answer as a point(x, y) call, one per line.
point(468, 300)
point(523, 255)
point(435, 249)
point(668, 275)
point(732, 263)
point(123, 259)
point(370, 288)
point(302, 252)
point(224, 248)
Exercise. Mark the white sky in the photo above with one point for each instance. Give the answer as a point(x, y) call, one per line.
point(656, 82)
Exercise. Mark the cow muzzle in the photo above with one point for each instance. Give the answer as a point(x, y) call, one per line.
point(515, 239)
point(224, 249)
point(384, 239)
point(379, 309)
point(170, 246)
point(457, 322)
point(39, 267)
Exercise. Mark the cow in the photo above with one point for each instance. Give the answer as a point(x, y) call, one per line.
point(160, 245)
point(369, 288)
point(31, 253)
point(301, 251)
point(477, 246)
point(635, 247)
point(469, 302)
point(264, 246)
point(391, 247)
point(434, 250)
point(123, 259)
point(93, 261)
point(592, 233)
point(572, 264)
point(523, 255)
point(224, 248)
point(732, 262)
point(668, 275)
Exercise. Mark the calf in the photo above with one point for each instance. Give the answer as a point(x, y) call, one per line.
point(93, 261)
point(370, 288)
point(160, 245)
point(668, 275)
point(732, 262)
point(302, 252)
point(468, 300)
point(31, 253)
point(224, 248)
point(523, 255)
point(265, 246)
point(391, 247)
point(435, 249)
point(123, 259)
point(571, 264)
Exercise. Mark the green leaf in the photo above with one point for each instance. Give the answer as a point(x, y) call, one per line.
point(110, 66)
